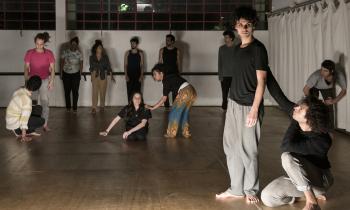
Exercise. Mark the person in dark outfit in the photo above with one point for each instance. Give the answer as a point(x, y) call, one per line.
point(170, 56)
point(186, 96)
point(136, 118)
point(245, 110)
point(133, 67)
point(225, 66)
point(305, 146)
point(71, 69)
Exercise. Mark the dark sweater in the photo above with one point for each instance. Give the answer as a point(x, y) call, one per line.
point(313, 146)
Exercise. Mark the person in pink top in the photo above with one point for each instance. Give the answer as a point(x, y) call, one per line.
point(41, 62)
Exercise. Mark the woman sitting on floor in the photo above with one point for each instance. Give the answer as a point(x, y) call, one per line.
point(136, 117)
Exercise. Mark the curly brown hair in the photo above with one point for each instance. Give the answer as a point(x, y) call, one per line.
point(317, 114)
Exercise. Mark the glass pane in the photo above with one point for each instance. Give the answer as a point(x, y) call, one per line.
point(126, 25)
point(92, 26)
point(47, 25)
point(144, 16)
point(144, 26)
point(13, 25)
point(160, 17)
point(30, 16)
point(127, 17)
point(30, 25)
point(178, 26)
point(161, 26)
point(194, 26)
point(178, 17)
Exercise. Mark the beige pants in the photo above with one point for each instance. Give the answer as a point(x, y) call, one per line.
point(99, 88)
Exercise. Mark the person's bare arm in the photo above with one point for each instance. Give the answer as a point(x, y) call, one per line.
point(126, 65)
point(335, 100)
point(178, 62)
point(306, 90)
point(110, 126)
point(52, 76)
point(159, 103)
point(141, 66)
point(26, 71)
point(161, 55)
point(259, 94)
point(136, 128)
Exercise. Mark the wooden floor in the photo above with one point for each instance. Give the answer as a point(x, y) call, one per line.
point(72, 167)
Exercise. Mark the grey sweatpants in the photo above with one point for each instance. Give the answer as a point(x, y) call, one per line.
point(302, 176)
point(43, 95)
point(241, 149)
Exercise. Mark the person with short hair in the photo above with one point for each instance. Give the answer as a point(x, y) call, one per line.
point(133, 67)
point(245, 110)
point(324, 81)
point(170, 56)
point(19, 110)
point(225, 66)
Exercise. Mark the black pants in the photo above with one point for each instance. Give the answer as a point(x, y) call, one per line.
point(34, 122)
point(71, 84)
point(225, 87)
point(132, 86)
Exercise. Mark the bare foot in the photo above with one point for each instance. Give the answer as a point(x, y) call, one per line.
point(252, 199)
point(46, 128)
point(311, 206)
point(168, 136)
point(34, 134)
point(226, 195)
point(321, 197)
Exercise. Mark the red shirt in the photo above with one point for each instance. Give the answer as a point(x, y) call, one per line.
point(39, 62)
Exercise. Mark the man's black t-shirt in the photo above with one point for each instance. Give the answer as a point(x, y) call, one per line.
point(246, 61)
point(172, 83)
point(135, 117)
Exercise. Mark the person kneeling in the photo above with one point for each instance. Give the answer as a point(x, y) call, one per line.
point(19, 116)
point(304, 158)
point(136, 117)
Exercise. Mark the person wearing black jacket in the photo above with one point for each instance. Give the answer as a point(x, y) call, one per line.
point(305, 147)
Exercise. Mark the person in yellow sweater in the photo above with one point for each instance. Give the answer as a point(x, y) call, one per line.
point(18, 112)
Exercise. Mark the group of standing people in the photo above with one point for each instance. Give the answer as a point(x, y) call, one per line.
point(40, 62)
point(244, 74)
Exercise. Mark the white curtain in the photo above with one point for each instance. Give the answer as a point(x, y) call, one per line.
point(301, 39)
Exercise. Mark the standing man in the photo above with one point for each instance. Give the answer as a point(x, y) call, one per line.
point(324, 81)
point(245, 109)
point(133, 68)
point(170, 56)
point(225, 65)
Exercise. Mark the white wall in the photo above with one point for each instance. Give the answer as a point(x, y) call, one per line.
point(199, 55)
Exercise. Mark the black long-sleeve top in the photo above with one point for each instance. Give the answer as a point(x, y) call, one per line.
point(311, 145)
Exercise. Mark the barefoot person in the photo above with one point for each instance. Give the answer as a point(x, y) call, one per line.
point(136, 118)
point(245, 110)
point(304, 158)
point(41, 62)
point(186, 96)
point(18, 112)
